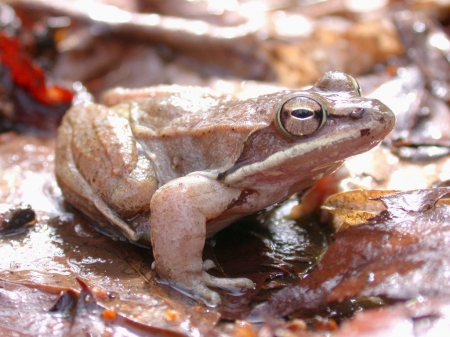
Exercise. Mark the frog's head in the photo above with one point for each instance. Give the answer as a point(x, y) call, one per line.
point(333, 103)
point(312, 132)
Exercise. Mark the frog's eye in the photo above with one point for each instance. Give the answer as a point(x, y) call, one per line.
point(301, 116)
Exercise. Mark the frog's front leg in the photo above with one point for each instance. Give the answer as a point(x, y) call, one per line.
point(179, 212)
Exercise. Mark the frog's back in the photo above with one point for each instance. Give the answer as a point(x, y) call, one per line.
point(194, 129)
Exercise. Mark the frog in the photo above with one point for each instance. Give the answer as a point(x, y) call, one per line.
point(172, 165)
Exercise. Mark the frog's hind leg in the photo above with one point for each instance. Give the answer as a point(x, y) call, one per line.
point(99, 167)
point(81, 196)
point(78, 193)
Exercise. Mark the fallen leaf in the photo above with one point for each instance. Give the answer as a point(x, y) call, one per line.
point(400, 254)
point(355, 207)
point(430, 317)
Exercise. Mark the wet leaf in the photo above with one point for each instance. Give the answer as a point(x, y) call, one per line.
point(24, 310)
point(61, 312)
point(420, 317)
point(423, 132)
point(384, 257)
point(355, 207)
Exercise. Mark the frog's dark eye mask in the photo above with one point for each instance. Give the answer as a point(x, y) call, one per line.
point(301, 116)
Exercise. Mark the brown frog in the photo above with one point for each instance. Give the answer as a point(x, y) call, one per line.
point(173, 165)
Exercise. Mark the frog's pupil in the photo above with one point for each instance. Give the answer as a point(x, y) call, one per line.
point(302, 113)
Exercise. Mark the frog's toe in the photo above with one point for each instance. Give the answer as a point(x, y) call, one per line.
point(219, 282)
point(212, 281)
point(208, 264)
point(206, 295)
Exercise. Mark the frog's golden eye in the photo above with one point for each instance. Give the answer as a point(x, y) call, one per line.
point(301, 116)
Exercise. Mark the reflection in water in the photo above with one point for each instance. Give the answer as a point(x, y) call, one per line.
point(294, 242)
point(34, 255)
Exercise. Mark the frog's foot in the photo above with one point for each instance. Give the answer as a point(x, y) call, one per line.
point(198, 288)
point(219, 282)
point(202, 293)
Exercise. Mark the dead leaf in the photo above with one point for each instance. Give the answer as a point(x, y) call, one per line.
point(355, 207)
point(419, 317)
point(400, 254)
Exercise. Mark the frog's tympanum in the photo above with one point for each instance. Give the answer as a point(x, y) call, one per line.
point(173, 165)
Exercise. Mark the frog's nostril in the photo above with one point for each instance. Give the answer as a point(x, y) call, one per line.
point(357, 113)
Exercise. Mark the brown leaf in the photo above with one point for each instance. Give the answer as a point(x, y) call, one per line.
point(400, 254)
point(355, 207)
point(419, 318)
point(61, 312)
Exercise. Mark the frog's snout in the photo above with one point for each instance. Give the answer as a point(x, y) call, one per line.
point(384, 115)
point(373, 117)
